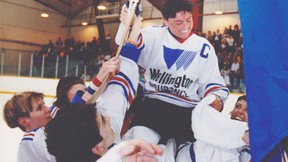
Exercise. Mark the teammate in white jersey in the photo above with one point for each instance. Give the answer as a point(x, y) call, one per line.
point(213, 143)
point(181, 69)
point(240, 113)
point(27, 111)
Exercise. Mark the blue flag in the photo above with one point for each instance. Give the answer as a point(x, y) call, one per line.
point(265, 41)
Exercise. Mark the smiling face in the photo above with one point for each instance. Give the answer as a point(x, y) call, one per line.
point(181, 25)
point(240, 111)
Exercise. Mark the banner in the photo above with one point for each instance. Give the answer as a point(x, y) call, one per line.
point(265, 42)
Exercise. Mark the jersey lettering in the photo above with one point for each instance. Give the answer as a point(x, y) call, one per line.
point(203, 50)
point(166, 78)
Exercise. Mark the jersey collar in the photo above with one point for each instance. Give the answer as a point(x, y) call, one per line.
point(180, 40)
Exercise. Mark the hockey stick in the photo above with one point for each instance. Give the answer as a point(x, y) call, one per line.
point(131, 10)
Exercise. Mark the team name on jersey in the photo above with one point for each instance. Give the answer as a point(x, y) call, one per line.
point(165, 78)
point(166, 83)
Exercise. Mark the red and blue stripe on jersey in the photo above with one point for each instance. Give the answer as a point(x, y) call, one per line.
point(128, 89)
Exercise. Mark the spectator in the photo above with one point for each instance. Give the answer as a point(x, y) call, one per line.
point(217, 37)
point(230, 43)
point(233, 73)
point(107, 43)
point(94, 47)
point(51, 47)
point(225, 74)
point(59, 44)
point(236, 34)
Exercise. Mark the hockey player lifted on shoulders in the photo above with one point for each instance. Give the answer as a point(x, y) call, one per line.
point(181, 69)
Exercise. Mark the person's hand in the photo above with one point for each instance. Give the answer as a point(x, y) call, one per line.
point(245, 138)
point(136, 28)
point(123, 14)
point(137, 150)
point(125, 9)
point(110, 67)
point(217, 103)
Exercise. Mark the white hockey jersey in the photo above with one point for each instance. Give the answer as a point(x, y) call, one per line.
point(179, 73)
point(217, 138)
point(33, 147)
point(118, 95)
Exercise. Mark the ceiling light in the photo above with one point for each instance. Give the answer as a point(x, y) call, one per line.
point(44, 14)
point(218, 12)
point(84, 23)
point(101, 7)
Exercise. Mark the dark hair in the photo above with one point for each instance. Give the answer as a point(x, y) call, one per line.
point(241, 98)
point(63, 87)
point(72, 134)
point(171, 7)
point(20, 105)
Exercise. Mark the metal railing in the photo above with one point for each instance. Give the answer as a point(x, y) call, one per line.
point(34, 65)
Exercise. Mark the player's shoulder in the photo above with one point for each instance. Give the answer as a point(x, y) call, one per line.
point(200, 38)
point(200, 42)
point(54, 111)
point(33, 135)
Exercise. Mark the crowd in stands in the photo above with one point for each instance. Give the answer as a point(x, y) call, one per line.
point(75, 49)
point(93, 53)
point(229, 49)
